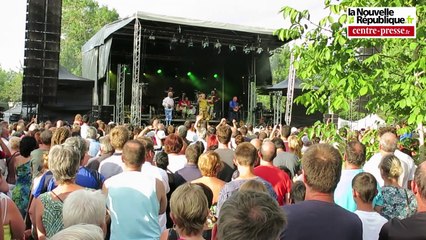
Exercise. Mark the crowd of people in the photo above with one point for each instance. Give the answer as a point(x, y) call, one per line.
point(91, 180)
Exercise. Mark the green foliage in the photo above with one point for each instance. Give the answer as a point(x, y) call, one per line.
point(10, 85)
point(80, 21)
point(280, 64)
point(392, 74)
point(328, 133)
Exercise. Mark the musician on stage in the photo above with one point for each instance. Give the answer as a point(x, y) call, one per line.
point(213, 104)
point(234, 109)
point(203, 104)
point(184, 106)
point(168, 104)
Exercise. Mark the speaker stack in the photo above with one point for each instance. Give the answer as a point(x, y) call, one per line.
point(42, 47)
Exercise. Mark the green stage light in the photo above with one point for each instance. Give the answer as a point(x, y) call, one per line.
point(215, 75)
point(159, 71)
point(189, 74)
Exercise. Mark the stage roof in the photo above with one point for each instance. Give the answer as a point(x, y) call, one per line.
point(163, 26)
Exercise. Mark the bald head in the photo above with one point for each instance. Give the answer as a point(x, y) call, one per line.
point(256, 143)
point(388, 142)
point(268, 151)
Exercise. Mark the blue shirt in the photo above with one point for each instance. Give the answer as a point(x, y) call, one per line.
point(89, 178)
point(233, 104)
point(343, 194)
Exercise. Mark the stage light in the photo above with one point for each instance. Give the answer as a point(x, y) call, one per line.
point(215, 75)
point(159, 71)
point(232, 48)
point(144, 74)
point(205, 42)
point(189, 74)
point(259, 50)
point(182, 40)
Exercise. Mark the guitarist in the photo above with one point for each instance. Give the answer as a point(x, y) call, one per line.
point(234, 109)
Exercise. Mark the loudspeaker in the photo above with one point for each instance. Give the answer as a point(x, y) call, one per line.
point(104, 113)
point(42, 47)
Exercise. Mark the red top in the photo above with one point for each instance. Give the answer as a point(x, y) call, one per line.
point(279, 180)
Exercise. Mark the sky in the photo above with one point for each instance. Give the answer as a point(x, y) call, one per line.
point(259, 13)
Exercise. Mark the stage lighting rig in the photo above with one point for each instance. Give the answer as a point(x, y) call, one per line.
point(232, 48)
point(259, 50)
point(174, 39)
point(151, 37)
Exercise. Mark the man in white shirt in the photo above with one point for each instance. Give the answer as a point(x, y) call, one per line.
point(168, 104)
point(388, 145)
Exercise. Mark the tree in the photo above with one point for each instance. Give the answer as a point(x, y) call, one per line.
point(80, 21)
point(392, 76)
point(10, 86)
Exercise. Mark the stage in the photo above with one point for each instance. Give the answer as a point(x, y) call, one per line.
point(134, 61)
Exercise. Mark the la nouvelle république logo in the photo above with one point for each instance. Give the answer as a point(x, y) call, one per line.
point(382, 22)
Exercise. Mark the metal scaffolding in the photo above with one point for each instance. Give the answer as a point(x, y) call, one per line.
point(136, 105)
point(278, 95)
point(290, 91)
point(252, 98)
point(119, 113)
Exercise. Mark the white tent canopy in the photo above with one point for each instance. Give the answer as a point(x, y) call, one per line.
point(371, 121)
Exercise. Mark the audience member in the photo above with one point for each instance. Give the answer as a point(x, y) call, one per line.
point(318, 217)
point(80, 232)
point(279, 180)
point(364, 190)
point(13, 224)
point(245, 157)
point(22, 164)
point(398, 202)
point(113, 165)
point(189, 219)
point(388, 145)
point(297, 192)
point(172, 146)
point(250, 215)
point(64, 162)
point(190, 171)
point(85, 207)
point(353, 159)
point(411, 227)
point(284, 158)
point(137, 217)
point(210, 165)
point(226, 154)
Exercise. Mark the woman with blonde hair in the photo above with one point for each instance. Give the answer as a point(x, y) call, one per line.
point(60, 135)
point(295, 145)
point(189, 219)
point(210, 165)
point(397, 201)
